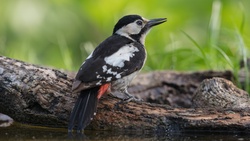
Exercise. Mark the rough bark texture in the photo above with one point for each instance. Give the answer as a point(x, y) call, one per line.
point(33, 94)
point(173, 88)
point(41, 96)
point(220, 93)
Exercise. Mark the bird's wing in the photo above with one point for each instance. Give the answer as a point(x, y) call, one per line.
point(113, 59)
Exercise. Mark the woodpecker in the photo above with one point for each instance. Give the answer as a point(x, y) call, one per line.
point(110, 67)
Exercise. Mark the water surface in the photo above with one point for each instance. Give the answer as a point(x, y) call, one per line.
point(23, 132)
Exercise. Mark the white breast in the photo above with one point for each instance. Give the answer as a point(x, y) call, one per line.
point(121, 84)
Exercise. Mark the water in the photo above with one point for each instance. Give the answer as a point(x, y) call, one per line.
point(19, 132)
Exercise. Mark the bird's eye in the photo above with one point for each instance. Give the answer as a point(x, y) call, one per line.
point(139, 23)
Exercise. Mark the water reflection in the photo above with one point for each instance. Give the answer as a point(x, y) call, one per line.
point(21, 132)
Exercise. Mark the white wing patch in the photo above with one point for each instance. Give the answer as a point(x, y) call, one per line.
point(118, 75)
point(98, 76)
point(111, 72)
point(109, 79)
point(123, 54)
point(99, 83)
point(104, 68)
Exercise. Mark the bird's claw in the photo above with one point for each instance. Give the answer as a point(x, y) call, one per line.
point(124, 101)
point(132, 98)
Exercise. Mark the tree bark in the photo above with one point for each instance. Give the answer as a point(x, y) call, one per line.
point(220, 94)
point(42, 96)
point(173, 88)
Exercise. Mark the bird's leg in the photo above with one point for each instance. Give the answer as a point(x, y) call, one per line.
point(124, 95)
point(129, 96)
point(114, 95)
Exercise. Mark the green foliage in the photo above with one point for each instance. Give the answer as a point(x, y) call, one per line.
point(199, 35)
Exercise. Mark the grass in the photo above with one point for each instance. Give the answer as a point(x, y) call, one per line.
point(199, 35)
point(219, 52)
point(215, 49)
point(223, 50)
point(64, 50)
point(244, 59)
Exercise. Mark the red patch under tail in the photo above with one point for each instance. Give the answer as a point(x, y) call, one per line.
point(103, 89)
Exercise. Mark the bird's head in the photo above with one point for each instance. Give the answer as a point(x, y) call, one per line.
point(136, 27)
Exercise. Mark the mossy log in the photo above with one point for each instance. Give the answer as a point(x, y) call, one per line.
point(42, 96)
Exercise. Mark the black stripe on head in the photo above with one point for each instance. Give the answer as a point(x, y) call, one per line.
point(125, 21)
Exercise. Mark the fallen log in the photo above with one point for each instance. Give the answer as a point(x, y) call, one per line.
point(41, 96)
point(220, 94)
point(170, 87)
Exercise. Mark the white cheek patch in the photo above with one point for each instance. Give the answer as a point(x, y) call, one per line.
point(129, 29)
point(133, 28)
point(123, 54)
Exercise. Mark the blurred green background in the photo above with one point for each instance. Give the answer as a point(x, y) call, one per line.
point(199, 34)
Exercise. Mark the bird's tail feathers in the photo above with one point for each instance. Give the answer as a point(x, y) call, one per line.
point(84, 109)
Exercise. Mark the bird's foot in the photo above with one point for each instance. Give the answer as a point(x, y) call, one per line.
point(132, 98)
point(129, 98)
point(125, 97)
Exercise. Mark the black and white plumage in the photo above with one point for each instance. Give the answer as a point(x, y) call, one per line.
point(110, 67)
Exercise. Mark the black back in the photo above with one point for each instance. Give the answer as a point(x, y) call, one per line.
point(93, 66)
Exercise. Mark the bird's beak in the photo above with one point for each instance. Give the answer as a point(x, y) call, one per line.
point(154, 22)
